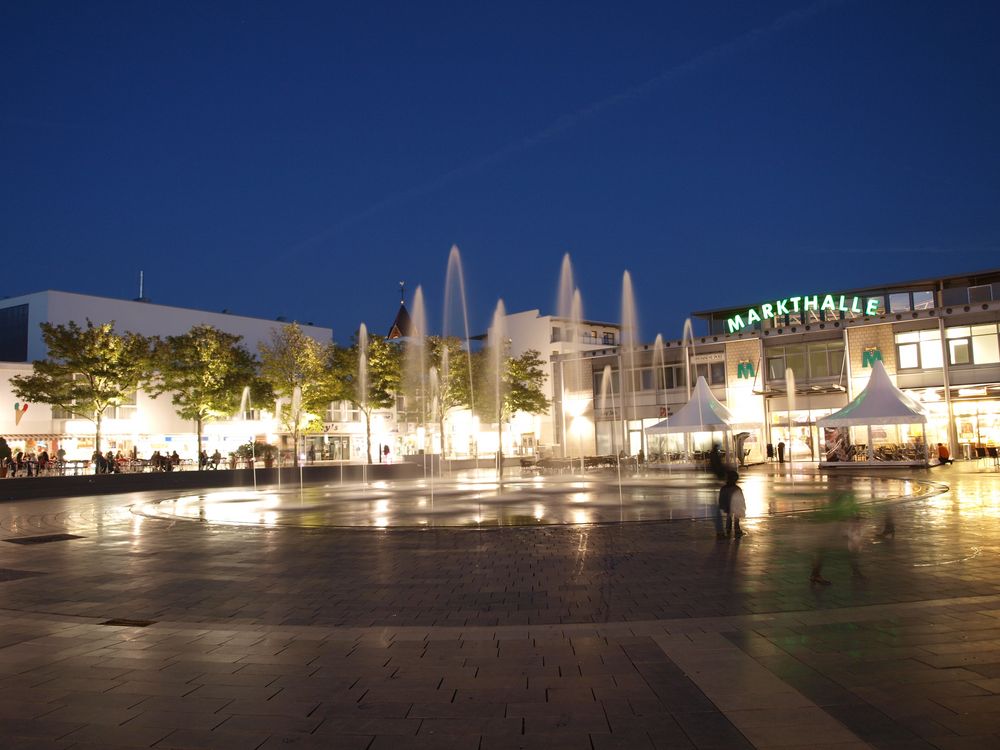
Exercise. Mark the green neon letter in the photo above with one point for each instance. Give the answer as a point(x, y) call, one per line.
point(752, 316)
point(782, 305)
point(767, 311)
point(810, 303)
point(828, 303)
point(735, 323)
point(855, 305)
point(871, 306)
point(795, 303)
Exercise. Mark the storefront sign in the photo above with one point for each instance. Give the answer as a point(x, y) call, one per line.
point(701, 359)
point(870, 356)
point(744, 370)
point(790, 305)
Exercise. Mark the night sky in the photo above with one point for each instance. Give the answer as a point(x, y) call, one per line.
point(300, 159)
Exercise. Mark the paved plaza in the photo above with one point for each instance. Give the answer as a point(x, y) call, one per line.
point(136, 621)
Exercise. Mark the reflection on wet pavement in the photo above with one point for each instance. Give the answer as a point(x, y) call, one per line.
point(478, 501)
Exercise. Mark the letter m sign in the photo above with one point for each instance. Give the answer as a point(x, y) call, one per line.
point(870, 356)
point(744, 370)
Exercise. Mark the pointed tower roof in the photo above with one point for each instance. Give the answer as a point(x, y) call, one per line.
point(402, 326)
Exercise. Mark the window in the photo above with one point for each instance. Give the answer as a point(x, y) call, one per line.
point(14, 333)
point(899, 302)
point(973, 345)
point(608, 338)
point(806, 361)
point(917, 350)
point(718, 373)
point(923, 300)
point(556, 334)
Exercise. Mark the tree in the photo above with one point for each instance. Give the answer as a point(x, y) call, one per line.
point(384, 377)
point(520, 385)
point(205, 370)
point(293, 361)
point(86, 371)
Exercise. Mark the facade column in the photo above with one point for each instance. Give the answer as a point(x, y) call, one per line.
point(946, 375)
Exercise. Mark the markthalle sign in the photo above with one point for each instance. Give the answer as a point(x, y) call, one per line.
point(791, 305)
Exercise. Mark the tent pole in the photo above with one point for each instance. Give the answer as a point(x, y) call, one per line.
point(871, 448)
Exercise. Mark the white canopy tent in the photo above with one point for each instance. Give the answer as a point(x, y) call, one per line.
point(702, 413)
point(878, 407)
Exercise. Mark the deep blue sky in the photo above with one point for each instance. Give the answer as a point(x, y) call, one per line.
point(300, 158)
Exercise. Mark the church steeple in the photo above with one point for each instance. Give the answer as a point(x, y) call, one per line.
point(402, 326)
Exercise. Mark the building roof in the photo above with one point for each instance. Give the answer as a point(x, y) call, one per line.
point(992, 273)
point(402, 326)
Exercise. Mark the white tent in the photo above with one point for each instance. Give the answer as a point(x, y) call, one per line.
point(881, 403)
point(703, 413)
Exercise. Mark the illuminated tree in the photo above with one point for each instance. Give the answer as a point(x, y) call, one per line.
point(292, 360)
point(86, 371)
point(205, 370)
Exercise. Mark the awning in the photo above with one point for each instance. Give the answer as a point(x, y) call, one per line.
point(880, 402)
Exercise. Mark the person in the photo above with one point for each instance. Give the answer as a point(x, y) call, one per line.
point(175, 461)
point(216, 459)
point(18, 463)
point(944, 455)
point(5, 457)
point(385, 452)
point(43, 460)
point(842, 518)
point(733, 504)
point(112, 465)
point(100, 463)
point(715, 462)
point(781, 451)
point(203, 459)
point(311, 455)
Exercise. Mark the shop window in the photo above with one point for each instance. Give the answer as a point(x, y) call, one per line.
point(776, 367)
point(718, 373)
point(985, 345)
point(608, 338)
point(973, 345)
point(959, 352)
point(899, 302)
point(917, 350)
point(819, 363)
point(923, 300)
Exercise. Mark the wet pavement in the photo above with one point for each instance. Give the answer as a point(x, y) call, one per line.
point(479, 501)
point(519, 629)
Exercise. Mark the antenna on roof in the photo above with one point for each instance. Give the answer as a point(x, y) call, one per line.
point(402, 292)
point(140, 284)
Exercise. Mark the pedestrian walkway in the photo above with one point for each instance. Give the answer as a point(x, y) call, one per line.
point(610, 636)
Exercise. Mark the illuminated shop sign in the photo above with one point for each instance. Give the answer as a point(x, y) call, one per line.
point(744, 370)
point(790, 305)
point(870, 356)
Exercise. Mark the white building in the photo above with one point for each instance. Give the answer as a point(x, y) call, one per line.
point(147, 424)
point(568, 427)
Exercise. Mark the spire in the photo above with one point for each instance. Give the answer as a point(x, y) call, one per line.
point(402, 326)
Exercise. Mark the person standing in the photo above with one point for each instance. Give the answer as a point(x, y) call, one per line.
point(781, 451)
point(5, 457)
point(733, 504)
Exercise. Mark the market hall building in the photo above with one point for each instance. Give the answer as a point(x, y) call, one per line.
point(937, 339)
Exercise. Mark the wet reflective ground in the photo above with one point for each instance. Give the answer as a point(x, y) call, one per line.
point(477, 500)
